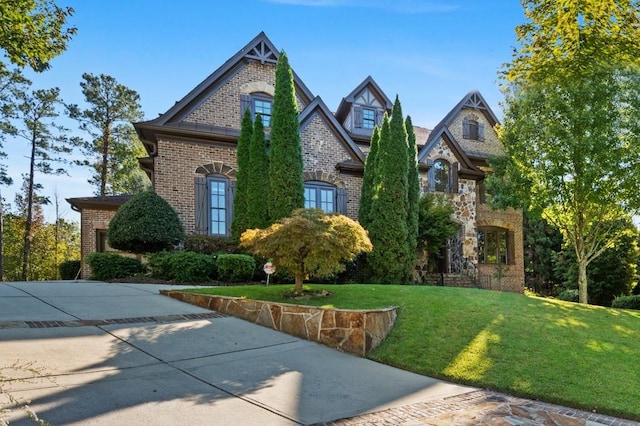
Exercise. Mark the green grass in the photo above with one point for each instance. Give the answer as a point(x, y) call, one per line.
point(581, 356)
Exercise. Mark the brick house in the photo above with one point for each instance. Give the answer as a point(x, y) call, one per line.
point(192, 164)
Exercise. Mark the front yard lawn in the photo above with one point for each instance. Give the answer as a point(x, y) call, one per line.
point(559, 352)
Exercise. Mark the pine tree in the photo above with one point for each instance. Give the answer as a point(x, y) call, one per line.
point(240, 216)
point(388, 230)
point(258, 179)
point(367, 180)
point(285, 162)
point(413, 194)
point(112, 149)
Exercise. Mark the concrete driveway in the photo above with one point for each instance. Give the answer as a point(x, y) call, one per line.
point(102, 354)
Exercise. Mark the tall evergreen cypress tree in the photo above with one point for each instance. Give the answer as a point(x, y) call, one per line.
point(388, 228)
point(367, 180)
point(258, 179)
point(240, 219)
point(413, 194)
point(285, 162)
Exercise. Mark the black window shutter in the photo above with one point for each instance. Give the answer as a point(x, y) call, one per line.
point(480, 132)
point(379, 117)
point(482, 193)
point(245, 103)
point(431, 175)
point(466, 129)
point(231, 193)
point(201, 207)
point(511, 248)
point(453, 179)
point(357, 117)
point(341, 201)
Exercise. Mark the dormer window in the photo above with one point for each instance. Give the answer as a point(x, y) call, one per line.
point(471, 129)
point(368, 118)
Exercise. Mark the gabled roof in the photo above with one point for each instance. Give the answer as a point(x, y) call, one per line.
point(345, 104)
point(467, 168)
point(259, 49)
point(472, 100)
point(318, 106)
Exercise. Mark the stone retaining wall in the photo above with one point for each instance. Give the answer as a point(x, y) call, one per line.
point(353, 331)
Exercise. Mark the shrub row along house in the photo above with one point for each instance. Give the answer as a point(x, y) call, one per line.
point(192, 164)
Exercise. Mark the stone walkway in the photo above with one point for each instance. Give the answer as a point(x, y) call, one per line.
point(483, 408)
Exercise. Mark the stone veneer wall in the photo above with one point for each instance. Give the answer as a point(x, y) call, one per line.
point(352, 331)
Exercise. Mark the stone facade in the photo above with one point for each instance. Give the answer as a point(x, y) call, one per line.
point(352, 331)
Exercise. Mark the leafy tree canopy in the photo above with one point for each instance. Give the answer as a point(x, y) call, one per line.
point(32, 32)
point(309, 242)
point(572, 98)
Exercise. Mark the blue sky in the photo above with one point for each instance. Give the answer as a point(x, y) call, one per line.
point(430, 53)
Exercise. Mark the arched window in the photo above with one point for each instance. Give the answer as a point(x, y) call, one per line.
point(214, 205)
point(495, 245)
point(439, 176)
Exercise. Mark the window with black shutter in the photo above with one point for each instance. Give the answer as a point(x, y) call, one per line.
point(471, 129)
point(321, 195)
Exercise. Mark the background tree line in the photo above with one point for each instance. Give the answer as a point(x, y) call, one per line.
point(31, 34)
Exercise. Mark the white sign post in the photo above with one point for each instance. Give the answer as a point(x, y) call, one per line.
point(269, 268)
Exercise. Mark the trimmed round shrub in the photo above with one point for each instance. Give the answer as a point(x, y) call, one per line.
point(569, 295)
point(145, 224)
point(69, 269)
point(107, 266)
point(626, 302)
point(235, 268)
point(182, 266)
point(208, 244)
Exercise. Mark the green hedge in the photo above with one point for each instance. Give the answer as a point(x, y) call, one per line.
point(627, 302)
point(235, 268)
point(106, 266)
point(69, 269)
point(208, 244)
point(182, 266)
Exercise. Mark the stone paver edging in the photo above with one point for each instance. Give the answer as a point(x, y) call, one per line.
point(352, 331)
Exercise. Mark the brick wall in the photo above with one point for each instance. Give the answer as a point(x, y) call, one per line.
point(175, 170)
point(511, 278)
point(222, 108)
point(92, 221)
point(321, 151)
point(490, 146)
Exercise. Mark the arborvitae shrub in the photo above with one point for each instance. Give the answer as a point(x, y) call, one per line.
point(69, 269)
point(626, 302)
point(235, 268)
point(107, 266)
